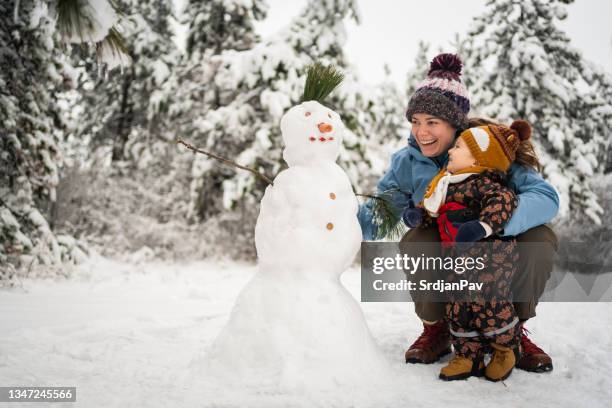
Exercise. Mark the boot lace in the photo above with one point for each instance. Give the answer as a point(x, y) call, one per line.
point(528, 346)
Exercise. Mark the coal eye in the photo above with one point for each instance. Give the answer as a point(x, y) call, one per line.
point(329, 115)
point(307, 114)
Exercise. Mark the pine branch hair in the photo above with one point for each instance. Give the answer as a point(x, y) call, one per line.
point(321, 80)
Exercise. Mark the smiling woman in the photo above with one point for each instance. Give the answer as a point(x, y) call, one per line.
point(439, 106)
point(433, 135)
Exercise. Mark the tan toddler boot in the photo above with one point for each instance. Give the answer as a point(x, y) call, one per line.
point(502, 362)
point(460, 368)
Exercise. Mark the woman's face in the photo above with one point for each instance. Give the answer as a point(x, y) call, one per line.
point(459, 157)
point(433, 135)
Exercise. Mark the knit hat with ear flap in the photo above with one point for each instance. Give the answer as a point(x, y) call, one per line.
point(495, 146)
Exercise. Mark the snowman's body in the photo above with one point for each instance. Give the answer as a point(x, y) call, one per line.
point(295, 325)
point(307, 222)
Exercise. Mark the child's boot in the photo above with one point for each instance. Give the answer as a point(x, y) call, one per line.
point(502, 362)
point(460, 368)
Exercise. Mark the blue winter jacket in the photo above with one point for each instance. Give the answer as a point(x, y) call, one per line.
point(411, 172)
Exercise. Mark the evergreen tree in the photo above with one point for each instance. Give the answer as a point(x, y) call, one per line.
point(418, 73)
point(33, 72)
point(519, 64)
point(262, 82)
point(123, 112)
point(389, 109)
point(217, 25)
point(213, 27)
point(599, 101)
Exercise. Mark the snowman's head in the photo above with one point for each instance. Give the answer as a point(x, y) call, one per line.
point(312, 133)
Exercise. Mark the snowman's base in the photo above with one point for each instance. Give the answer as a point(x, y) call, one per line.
point(311, 338)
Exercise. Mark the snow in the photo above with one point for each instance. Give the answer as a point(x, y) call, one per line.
point(123, 334)
point(275, 102)
point(556, 137)
point(160, 71)
point(583, 166)
point(39, 11)
point(37, 219)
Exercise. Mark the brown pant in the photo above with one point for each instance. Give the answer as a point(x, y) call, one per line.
point(534, 269)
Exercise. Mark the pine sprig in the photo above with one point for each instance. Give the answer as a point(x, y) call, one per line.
point(386, 215)
point(321, 80)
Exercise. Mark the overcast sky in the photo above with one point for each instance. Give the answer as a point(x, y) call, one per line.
point(391, 29)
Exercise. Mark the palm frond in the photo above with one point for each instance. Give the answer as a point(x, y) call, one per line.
point(72, 20)
point(75, 22)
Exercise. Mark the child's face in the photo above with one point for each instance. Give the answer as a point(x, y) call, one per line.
point(459, 157)
point(433, 135)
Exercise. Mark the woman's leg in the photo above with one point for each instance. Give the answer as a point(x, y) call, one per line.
point(434, 341)
point(428, 312)
point(535, 267)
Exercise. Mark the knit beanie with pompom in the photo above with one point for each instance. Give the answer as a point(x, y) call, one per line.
point(442, 94)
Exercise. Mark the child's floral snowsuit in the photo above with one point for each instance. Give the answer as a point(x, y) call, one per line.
point(489, 314)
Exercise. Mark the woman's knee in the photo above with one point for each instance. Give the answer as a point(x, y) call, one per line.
point(541, 233)
point(421, 235)
point(537, 248)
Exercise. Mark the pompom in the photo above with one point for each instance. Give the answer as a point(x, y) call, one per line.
point(523, 128)
point(446, 66)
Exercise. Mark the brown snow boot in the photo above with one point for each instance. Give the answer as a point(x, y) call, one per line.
point(433, 343)
point(461, 368)
point(533, 358)
point(502, 362)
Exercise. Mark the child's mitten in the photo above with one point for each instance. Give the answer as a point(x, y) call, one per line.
point(470, 231)
point(413, 217)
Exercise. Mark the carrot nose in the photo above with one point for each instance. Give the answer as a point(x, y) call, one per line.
point(325, 127)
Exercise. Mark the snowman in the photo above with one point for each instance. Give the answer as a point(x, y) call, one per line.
point(294, 326)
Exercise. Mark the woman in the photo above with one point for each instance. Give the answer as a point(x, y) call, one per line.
point(438, 113)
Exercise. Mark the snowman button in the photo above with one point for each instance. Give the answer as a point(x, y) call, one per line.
point(330, 226)
point(332, 196)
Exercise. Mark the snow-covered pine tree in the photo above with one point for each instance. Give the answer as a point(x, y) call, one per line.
point(33, 71)
point(124, 110)
point(519, 64)
point(217, 25)
point(599, 101)
point(266, 80)
point(418, 72)
point(389, 109)
point(213, 27)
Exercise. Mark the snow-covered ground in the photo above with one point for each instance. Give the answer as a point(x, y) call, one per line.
point(125, 334)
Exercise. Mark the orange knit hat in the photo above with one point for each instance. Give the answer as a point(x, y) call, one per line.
point(495, 146)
